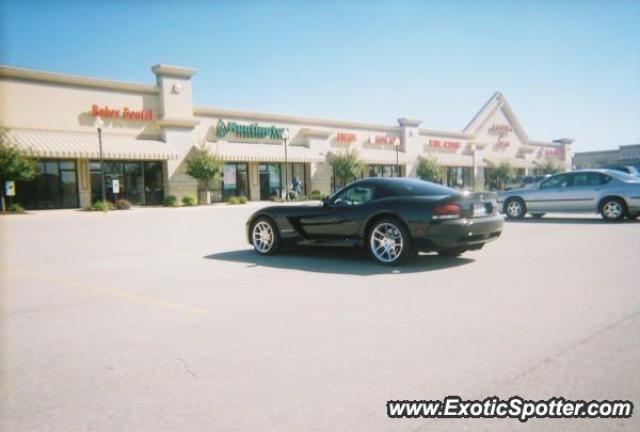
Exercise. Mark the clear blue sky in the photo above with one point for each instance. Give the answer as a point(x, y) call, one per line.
point(568, 68)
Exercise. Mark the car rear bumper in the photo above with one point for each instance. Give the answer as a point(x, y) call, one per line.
point(465, 232)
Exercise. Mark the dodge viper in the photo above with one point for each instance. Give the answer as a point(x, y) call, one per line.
point(391, 218)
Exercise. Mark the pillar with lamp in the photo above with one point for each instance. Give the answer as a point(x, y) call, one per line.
point(396, 143)
point(285, 137)
point(99, 124)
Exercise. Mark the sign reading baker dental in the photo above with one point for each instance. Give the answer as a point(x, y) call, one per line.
point(122, 114)
point(250, 131)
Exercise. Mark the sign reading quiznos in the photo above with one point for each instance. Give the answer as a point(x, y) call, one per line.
point(251, 131)
point(125, 113)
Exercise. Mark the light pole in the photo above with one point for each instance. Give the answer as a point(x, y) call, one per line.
point(285, 137)
point(99, 124)
point(396, 143)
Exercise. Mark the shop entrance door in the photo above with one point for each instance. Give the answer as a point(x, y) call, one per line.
point(270, 184)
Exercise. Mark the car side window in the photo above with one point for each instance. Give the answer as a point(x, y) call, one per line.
point(557, 181)
point(355, 195)
point(590, 179)
point(582, 179)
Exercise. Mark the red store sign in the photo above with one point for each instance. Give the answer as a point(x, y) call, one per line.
point(444, 145)
point(345, 137)
point(555, 152)
point(384, 139)
point(502, 145)
point(124, 114)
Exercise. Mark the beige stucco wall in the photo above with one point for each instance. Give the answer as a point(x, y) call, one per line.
point(39, 105)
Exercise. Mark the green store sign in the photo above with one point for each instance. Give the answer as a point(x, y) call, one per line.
point(252, 131)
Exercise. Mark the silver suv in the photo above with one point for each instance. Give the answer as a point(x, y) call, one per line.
point(613, 194)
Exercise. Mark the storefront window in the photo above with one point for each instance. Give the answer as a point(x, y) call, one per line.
point(134, 178)
point(153, 183)
point(297, 180)
point(270, 181)
point(459, 177)
point(383, 171)
point(56, 186)
point(235, 180)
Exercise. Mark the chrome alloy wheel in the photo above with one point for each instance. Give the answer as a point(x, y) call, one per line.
point(514, 208)
point(386, 242)
point(612, 209)
point(262, 237)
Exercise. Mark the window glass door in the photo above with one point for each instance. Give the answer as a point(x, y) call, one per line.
point(270, 181)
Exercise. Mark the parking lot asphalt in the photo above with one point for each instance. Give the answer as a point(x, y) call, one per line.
point(161, 319)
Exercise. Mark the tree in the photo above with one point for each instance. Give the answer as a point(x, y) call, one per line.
point(346, 166)
point(429, 169)
point(503, 173)
point(203, 166)
point(550, 166)
point(14, 166)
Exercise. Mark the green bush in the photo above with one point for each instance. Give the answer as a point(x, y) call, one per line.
point(234, 200)
point(103, 206)
point(242, 199)
point(316, 195)
point(170, 201)
point(189, 200)
point(16, 208)
point(122, 204)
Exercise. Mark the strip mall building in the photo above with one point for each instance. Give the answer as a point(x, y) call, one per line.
point(150, 130)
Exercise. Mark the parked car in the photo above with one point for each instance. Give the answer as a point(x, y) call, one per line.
point(392, 218)
point(525, 182)
point(613, 194)
point(625, 169)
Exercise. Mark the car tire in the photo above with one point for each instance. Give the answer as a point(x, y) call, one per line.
point(537, 215)
point(389, 242)
point(515, 208)
point(265, 237)
point(452, 253)
point(613, 209)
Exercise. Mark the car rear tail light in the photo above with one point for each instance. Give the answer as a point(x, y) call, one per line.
point(447, 211)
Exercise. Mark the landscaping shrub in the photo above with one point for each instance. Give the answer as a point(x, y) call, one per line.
point(234, 200)
point(242, 199)
point(170, 201)
point(122, 204)
point(316, 195)
point(189, 200)
point(103, 206)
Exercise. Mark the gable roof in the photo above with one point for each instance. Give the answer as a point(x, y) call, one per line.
point(496, 102)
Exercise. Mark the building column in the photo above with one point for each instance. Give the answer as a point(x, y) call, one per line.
point(410, 143)
point(84, 183)
point(254, 181)
point(177, 123)
point(478, 167)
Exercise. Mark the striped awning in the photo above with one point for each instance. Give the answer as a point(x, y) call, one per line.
point(84, 145)
point(259, 152)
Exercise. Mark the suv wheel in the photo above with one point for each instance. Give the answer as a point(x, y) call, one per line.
point(515, 208)
point(613, 209)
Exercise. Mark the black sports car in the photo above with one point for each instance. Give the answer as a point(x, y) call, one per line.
point(390, 217)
